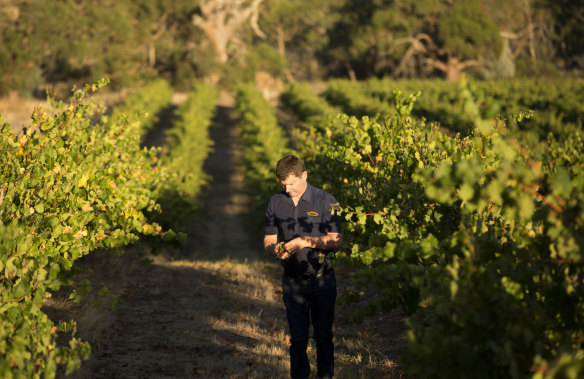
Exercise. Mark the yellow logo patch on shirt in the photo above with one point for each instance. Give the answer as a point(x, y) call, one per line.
point(312, 213)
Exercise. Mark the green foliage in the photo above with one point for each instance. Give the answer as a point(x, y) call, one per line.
point(143, 104)
point(188, 147)
point(512, 290)
point(368, 166)
point(456, 106)
point(264, 143)
point(353, 99)
point(78, 183)
point(263, 57)
point(467, 32)
point(477, 238)
point(313, 111)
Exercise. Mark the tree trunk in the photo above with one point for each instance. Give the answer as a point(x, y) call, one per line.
point(218, 36)
point(350, 71)
point(282, 50)
point(453, 72)
point(453, 67)
point(530, 33)
point(151, 55)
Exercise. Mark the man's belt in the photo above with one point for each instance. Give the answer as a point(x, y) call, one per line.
point(320, 272)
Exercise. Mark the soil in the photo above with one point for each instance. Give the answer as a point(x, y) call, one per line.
point(215, 310)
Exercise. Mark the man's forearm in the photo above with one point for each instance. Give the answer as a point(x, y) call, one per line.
point(326, 242)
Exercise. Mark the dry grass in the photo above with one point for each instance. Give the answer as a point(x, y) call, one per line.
point(95, 314)
point(17, 111)
point(246, 315)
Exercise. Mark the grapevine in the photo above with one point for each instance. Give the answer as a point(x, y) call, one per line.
point(478, 238)
point(68, 186)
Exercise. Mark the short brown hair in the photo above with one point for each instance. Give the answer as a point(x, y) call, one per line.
point(290, 164)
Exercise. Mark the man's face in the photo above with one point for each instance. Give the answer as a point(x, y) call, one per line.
point(295, 185)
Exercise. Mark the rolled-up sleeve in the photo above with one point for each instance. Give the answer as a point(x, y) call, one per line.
point(270, 225)
point(331, 216)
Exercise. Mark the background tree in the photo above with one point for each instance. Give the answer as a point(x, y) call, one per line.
point(509, 15)
point(18, 51)
point(568, 31)
point(60, 43)
point(126, 42)
point(527, 31)
point(166, 34)
point(298, 30)
point(221, 21)
point(464, 37)
point(414, 37)
point(87, 40)
point(352, 43)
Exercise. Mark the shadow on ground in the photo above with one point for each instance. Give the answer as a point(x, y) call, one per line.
point(178, 319)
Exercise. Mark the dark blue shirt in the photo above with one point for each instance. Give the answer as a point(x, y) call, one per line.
point(315, 215)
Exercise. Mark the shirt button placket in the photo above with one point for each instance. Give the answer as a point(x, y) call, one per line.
point(296, 221)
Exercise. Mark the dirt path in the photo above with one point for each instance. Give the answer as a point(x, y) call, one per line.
point(224, 234)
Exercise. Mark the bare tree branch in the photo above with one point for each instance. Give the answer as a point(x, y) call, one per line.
point(453, 67)
point(416, 46)
point(531, 32)
point(159, 29)
point(519, 38)
point(254, 22)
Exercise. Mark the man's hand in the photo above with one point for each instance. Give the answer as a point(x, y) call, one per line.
point(283, 250)
point(275, 249)
point(293, 246)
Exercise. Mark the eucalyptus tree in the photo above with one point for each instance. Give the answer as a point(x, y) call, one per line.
point(299, 31)
point(222, 20)
point(568, 31)
point(17, 51)
point(412, 38)
point(73, 41)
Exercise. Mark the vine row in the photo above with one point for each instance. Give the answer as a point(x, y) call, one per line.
point(477, 238)
point(74, 181)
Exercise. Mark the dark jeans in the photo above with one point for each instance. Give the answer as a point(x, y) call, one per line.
point(305, 300)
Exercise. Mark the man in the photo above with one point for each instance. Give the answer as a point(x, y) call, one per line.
point(302, 226)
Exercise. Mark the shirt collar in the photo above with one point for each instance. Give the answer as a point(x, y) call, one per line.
point(307, 195)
